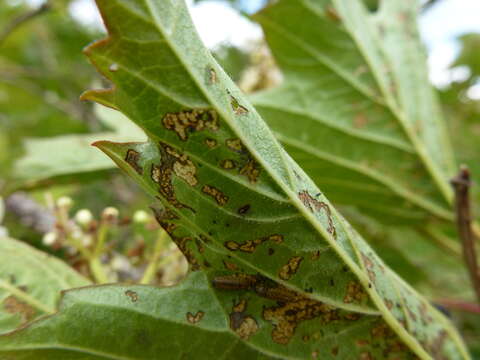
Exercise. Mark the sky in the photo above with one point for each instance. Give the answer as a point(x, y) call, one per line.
point(216, 22)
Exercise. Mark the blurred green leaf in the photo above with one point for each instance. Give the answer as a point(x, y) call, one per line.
point(30, 283)
point(73, 154)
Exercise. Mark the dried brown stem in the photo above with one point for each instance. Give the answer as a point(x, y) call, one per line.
point(461, 184)
point(459, 305)
point(23, 18)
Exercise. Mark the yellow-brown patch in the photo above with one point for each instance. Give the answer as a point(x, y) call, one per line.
point(193, 319)
point(314, 205)
point(212, 76)
point(290, 268)
point(211, 143)
point(132, 158)
point(13, 305)
point(132, 295)
point(243, 325)
point(230, 266)
point(228, 164)
point(250, 246)
point(186, 122)
point(355, 293)
point(286, 317)
point(176, 163)
point(235, 145)
point(237, 108)
point(251, 170)
point(219, 197)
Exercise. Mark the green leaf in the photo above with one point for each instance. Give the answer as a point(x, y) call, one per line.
point(30, 283)
point(143, 322)
point(356, 109)
point(72, 154)
point(235, 203)
point(132, 322)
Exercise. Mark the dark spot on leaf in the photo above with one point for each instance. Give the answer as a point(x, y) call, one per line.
point(193, 319)
point(290, 268)
point(186, 122)
point(132, 158)
point(132, 295)
point(219, 197)
point(314, 205)
point(244, 209)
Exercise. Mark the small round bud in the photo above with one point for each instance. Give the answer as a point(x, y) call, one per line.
point(140, 217)
point(49, 238)
point(83, 217)
point(65, 202)
point(110, 214)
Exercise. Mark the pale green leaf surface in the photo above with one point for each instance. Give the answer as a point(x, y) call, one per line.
point(356, 109)
point(72, 154)
point(188, 321)
point(30, 283)
point(228, 184)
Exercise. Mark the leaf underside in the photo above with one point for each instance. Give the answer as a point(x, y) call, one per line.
point(240, 208)
point(356, 109)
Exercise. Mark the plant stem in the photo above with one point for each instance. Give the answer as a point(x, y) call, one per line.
point(459, 305)
point(152, 267)
point(18, 21)
point(97, 270)
point(461, 184)
point(96, 267)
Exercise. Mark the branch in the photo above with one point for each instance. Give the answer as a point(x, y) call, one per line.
point(461, 184)
point(18, 21)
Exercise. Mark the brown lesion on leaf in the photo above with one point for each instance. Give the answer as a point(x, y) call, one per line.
point(366, 356)
point(314, 205)
point(173, 162)
point(355, 293)
point(132, 157)
point(290, 268)
point(388, 303)
point(211, 143)
point(369, 266)
point(260, 285)
point(184, 247)
point(194, 319)
point(251, 245)
point(287, 316)
point(230, 266)
point(166, 219)
point(200, 247)
point(228, 164)
point(132, 295)
point(242, 324)
point(13, 305)
point(235, 145)
point(237, 108)
point(212, 75)
point(243, 209)
point(251, 169)
point(334, 350)
point(315, 255)
point(219, 196)
point(186, 122)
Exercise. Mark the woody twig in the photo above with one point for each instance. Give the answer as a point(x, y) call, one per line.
point(461, 184)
